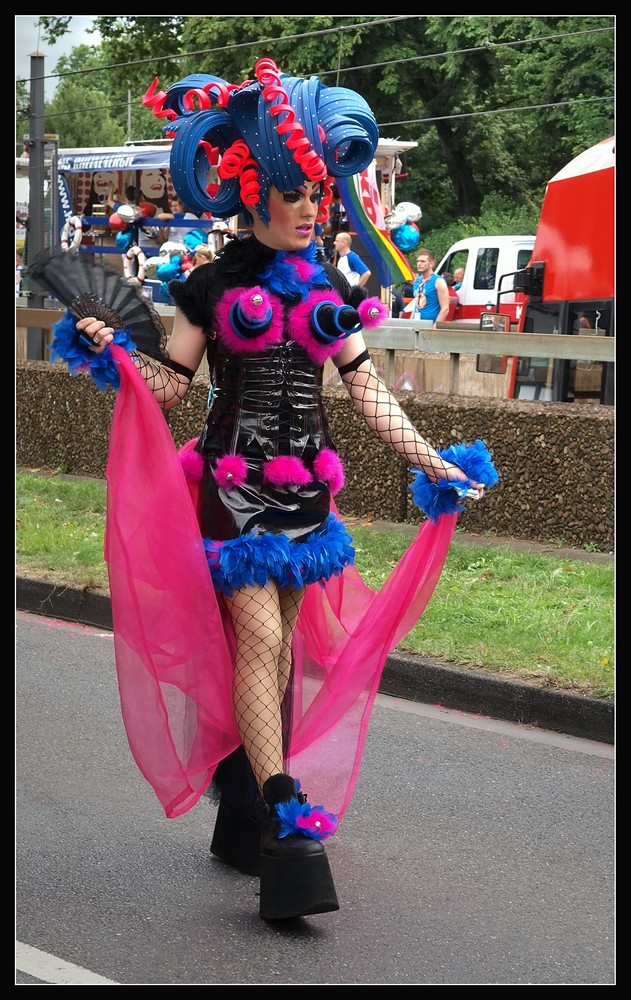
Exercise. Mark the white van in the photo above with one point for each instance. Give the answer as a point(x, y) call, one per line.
point(489, 263)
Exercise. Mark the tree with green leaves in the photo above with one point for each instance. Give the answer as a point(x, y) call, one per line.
point(497, 103)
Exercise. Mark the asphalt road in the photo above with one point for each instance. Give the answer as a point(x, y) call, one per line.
point(474, 852)
point(405, 675)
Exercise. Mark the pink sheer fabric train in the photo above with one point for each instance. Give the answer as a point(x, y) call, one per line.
point(173, 639)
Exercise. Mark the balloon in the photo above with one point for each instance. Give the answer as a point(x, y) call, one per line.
point(123, 241)
point(170, 247)
point(405, 211)
point(115, 221)
point(125, 213)
point(406, 237)
point(147, 209)
point(193, 239)
point(167, 272)
point(151, 265)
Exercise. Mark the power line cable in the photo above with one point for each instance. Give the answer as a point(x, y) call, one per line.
point(409, 121)
point(238, 45)
point(488, 46)
point(497, 111)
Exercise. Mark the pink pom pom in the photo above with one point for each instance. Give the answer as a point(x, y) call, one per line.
point(254, 303)
point(192, 463)
point(272, 334)
point(328, 468)
point(301, 329)
point(286, 470)
point(318, 824)
point(372, 312)
point(231, 470)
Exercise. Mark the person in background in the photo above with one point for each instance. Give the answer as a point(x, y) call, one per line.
point(336, 222)
point(202, 255)
point(18, 270)
point(453, 295)
point(398, 302)
point(349, 263)
point(217, 690)
point(431, 293)
point(181, 213)
point(130, 199)
point(458, 277)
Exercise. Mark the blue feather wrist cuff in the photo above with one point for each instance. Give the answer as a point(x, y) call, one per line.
point(444, 496)
point(67, 346)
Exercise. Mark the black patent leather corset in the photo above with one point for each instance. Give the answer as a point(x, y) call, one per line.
point(267, 403)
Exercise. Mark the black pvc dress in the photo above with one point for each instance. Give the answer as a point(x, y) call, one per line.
point(269, 463)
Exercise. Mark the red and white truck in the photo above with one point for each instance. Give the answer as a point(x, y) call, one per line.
point(562, 280)
point(569, 285)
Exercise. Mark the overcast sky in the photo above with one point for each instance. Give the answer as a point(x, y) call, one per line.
point(28, 39)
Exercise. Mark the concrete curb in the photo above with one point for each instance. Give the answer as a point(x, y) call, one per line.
point(477, 691)
point(404, 676)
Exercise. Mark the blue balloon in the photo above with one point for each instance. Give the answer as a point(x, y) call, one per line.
point(123, 241)
point(170, 270)
point(406, 237)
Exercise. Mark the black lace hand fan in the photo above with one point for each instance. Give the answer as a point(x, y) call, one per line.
point(87, 287)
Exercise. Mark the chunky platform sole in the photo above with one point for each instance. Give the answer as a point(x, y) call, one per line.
point(237, 834)
point(237, 841)
point(296, 886)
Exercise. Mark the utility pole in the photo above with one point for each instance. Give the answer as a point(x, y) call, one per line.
point(35, 337)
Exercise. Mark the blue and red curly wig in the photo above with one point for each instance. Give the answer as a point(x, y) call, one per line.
point(278, 130)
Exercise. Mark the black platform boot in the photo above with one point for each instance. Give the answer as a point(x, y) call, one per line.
point(237, 834)
point(295, 875)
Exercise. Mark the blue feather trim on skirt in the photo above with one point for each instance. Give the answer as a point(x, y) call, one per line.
point(253, 560)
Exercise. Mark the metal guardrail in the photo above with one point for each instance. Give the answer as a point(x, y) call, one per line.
point(457, 338)
point(395, 335)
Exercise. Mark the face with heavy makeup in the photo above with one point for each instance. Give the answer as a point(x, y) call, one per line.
point(292, 217)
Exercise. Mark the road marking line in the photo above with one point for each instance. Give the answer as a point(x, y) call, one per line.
point(53, 970)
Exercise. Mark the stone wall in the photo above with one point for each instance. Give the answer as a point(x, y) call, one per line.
point(555, 460)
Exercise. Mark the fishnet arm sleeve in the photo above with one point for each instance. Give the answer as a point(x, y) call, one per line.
point(382, 413)
point(167, 385)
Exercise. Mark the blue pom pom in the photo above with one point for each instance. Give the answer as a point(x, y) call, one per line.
point(443, 497)
point(192, 239)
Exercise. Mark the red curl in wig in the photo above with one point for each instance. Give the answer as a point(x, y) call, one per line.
point(312, 165)
point(156, 101)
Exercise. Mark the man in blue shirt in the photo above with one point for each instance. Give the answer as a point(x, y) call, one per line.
point(348, 262)
point(431, 293)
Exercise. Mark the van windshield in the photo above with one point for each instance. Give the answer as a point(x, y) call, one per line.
point(486, 268)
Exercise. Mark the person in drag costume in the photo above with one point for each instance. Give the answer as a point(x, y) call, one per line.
point(248, 649)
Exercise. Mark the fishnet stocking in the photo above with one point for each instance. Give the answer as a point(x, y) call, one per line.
point(167, 386)
point(383, 414)
point(264, 621)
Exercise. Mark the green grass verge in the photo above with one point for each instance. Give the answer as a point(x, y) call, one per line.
point(538, 618)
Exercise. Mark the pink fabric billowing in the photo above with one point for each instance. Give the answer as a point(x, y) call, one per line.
point(174, 642)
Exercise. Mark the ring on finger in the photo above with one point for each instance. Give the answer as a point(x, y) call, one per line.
point(95, 341)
